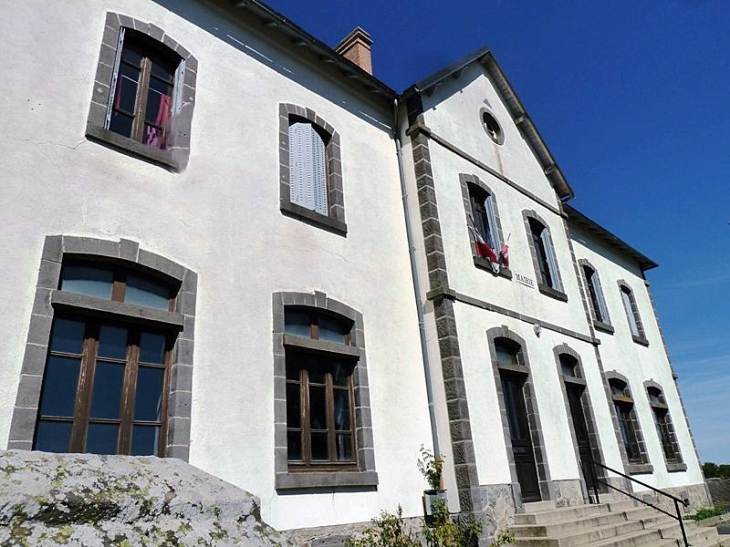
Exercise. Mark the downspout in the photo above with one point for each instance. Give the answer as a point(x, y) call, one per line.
point(416, 284)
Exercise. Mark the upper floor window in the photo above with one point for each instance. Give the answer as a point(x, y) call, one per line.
point(143, 92)
point(490, 251)
point(632, 313)
point(492, 127)
point(663, 425)
point(543, 256)
point(311, 169)
point(598, 307)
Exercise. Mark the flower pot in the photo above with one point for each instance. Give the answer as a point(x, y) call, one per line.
point(429, 496)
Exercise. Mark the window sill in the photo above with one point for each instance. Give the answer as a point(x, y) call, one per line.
point(484, 264)
point(640, 468)
point(603, 327)
point(111, 308)
point(640, 340)
point(552, 293)
point(334, 479)
point(311, 217)
point(131, 146)
point(676, 467)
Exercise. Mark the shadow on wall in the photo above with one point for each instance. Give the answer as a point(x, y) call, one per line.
point(254, 43)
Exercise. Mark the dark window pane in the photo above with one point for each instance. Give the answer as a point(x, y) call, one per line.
point(68, 336)
point(112, 342)
point(107, 394)
point(145, 440)
point(52, 436)
point(59, 386)
point(152, 348)
point(292, 371)
point(332, 330)
point(317, 376)
point(121, 123)
point(125, 96)
point(132, 56)
point(86, 280)
point(344, 448)
point(148, 400)
point(342, 409)
point(297, 323)
point(145, 292)
point(340, 375)
point(318, 408)
point(319, 447)
point(506, 354)
point(102, 438)
point(165, 71)
point(294, 445)
point(293, 408)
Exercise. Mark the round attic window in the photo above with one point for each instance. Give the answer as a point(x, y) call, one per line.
point(492, 127)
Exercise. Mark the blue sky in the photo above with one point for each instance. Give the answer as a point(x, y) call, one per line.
point(631, 98)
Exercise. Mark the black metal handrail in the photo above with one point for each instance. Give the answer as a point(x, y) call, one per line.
point(675, 499)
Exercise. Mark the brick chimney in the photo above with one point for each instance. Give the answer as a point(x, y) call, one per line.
point(355, 47)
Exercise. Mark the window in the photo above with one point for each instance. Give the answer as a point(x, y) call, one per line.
point(543, 256)
point(319, 395)
point(492, 127)
point(484, 226)
point(322, 421)
point(114, 324)
point(569, 366)
point(663, 425)
point(598, 307)
point(311, 169)
point(143, 92)
point(627, 423)
point(632, 313)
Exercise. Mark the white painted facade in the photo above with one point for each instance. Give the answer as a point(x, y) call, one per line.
point(221, 218)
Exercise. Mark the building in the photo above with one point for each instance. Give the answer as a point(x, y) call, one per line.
point(209, 256)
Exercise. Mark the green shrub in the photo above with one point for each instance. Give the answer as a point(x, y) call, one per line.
point(387, 531)
point(706, 512)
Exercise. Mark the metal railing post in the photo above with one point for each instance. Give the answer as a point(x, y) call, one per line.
point(681, 523)
point(594, 477)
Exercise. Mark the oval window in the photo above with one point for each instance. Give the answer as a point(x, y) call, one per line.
point(492, 127)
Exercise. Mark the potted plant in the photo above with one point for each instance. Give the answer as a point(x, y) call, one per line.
point(431, 467)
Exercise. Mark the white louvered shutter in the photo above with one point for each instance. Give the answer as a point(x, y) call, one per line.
point(626, 297)
point(307, 179)
point(552, 263)
point(115, 76)
point(602, 308)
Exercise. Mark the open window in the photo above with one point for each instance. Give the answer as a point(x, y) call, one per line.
point(632, 314)
point(596, 300)
point(543, 256)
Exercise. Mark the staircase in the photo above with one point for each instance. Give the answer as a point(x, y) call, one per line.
point(611, 524)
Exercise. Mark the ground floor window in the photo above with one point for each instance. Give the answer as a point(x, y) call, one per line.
point(104, 389)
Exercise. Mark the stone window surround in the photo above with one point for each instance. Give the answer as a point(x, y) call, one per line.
point(366, 476)
point(587, 404)
point(482, 263)
point(178, 141)
point(544, 289)
point(603, 326)
point(499, 139)
point(630, 468)
point(623, 286)
point(533, 415)
point(679, 464)
point(47, 297)
point(335, 221)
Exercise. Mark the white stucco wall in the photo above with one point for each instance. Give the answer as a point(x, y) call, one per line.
point(221, 219)
point(636, 362)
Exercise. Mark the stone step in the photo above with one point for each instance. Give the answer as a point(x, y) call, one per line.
point(561, 515)
point(564, 527)
point(588, 536)
point(643, 538)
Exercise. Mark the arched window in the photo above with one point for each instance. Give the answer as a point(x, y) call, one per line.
point(144, 92)
point(323, 431)
point(116, 328)
point(663, 425)
point(632, 313)
point(482, 219)
point(627, 421)
point(599, 310)
point(310, 169)
point(543, 256)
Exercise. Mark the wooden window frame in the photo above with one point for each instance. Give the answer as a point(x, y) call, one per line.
point(626, 416)
point(89, 359)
